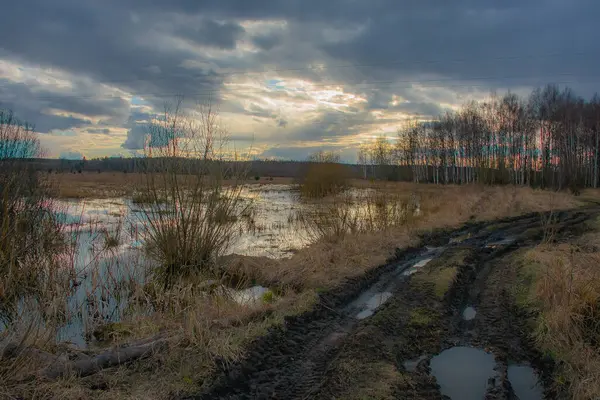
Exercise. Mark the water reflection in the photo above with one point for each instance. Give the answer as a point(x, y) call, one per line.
point(525, 382)
point(463, 373)
point(108, 262)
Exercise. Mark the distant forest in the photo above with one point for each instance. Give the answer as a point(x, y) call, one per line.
point(549, 139)
point(260, 168)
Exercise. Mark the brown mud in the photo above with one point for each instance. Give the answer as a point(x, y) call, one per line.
point(410, 328)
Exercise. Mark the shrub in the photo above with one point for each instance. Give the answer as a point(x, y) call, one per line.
point(324, 179)
point(190, 214)
point(30, 232)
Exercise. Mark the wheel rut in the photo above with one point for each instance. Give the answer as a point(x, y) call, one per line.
point(373, 326)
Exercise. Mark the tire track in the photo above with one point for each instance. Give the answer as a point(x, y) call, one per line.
point(292, 362)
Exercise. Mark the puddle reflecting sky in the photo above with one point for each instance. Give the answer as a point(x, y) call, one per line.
point(525, 382)
point(469, 313)
point(463, 372)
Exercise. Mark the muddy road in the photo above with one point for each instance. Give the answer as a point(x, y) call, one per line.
point(435, 323)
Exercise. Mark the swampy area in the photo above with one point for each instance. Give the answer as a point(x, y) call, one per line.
point(378, 291)
point(447, 318)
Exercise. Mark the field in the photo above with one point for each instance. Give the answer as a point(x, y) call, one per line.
point(101, 185)
point(219, 332)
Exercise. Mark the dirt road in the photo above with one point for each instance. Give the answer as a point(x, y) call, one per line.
point(437, 321)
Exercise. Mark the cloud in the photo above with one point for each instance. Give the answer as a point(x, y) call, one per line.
point(267, 42)
point(292, 72)
point(104, 131)
point(137, 130)
point(208, 32)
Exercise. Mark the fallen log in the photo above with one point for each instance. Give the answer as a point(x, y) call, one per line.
point(107, 359)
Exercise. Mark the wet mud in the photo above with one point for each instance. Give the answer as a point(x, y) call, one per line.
point(434, 323)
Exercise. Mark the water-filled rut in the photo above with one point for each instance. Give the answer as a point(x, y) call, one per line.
point(453, 346)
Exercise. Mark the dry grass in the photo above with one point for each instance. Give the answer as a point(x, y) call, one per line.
point(202, 328)
point(116, 184)
point(368, 380)
point(207, 327)
point(328, 263)
point(562, 282)
point(323, 179)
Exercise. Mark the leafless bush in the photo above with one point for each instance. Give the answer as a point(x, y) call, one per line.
point(193, 194)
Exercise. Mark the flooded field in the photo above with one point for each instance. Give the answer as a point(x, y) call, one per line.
point(107, 261)
point(268, 229)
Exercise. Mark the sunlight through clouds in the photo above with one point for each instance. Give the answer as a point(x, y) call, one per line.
point(284, 75)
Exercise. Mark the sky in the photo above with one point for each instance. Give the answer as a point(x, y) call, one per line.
point(288, 77)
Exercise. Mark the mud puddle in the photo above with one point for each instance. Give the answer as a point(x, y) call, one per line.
point(469, 313)
point(464, 373)
point(525, 382)
point(373, 304)
point(295, 362)
point(375, 296)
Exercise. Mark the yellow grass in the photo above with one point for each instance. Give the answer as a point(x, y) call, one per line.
point(562, 282)
point(328, 263)
point(200, 328)
point(368, 380)
point(207, 329)
point(115, 184)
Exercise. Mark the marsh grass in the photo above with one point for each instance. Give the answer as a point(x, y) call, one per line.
point(356, 212)
point(561, 284)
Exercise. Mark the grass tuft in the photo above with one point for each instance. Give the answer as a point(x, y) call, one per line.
point(561, 285)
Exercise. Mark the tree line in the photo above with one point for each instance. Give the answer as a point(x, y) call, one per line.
point(549, 139)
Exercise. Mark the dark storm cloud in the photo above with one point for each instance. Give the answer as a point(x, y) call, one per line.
point(106, 43)
point(142, 46)
point(34, 104)
point(499, 43)
point(303, 10)
point(19, 98)
point(267, 42)
point(422, 108)
point(326, 128)
point(211, 33)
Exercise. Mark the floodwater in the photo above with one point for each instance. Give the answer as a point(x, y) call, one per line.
point(500, 243)
point(103, 276)
point(525, 382)
point(415, 268)
point(100, 289)
point(268, 231)
point(463, 372)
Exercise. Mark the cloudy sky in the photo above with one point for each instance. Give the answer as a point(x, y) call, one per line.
point(288, 76)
